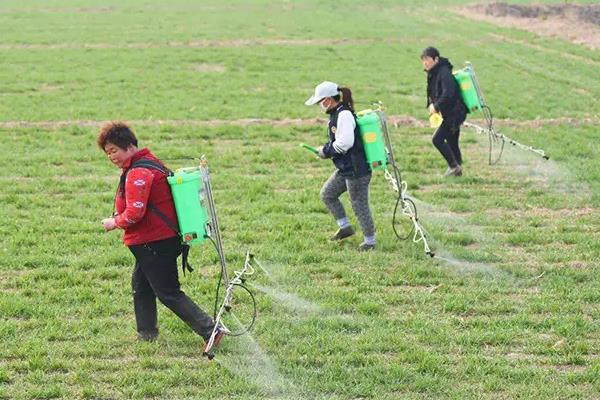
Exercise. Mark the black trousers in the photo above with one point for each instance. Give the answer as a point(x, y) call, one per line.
point(445, 139)
point(155, 275)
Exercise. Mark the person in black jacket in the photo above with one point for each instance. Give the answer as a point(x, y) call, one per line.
point(443, 96)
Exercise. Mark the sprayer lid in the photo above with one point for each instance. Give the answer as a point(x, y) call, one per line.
point(323, 89)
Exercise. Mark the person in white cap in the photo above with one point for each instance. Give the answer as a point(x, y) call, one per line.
point(352, 174)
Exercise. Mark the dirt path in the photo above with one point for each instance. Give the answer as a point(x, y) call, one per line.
point(232, 43)
point(394, 120)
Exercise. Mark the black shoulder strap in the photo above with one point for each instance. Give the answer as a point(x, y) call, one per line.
point(147, 163)
point(185, 248)
point(151, 164)
point(141, 163)
point(162, 216)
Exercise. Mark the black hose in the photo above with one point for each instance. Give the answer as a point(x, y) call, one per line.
point(412, 226)
point(398, 200)
point(489, 118)
point(394, 221)
point(399, 174)
point(218, 282)
point(180, 158)
point(216, 305)
point(254, 312)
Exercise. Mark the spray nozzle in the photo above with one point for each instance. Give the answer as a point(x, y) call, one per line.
point(309, 148)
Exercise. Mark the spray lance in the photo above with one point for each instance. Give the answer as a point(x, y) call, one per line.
point(197, 217)
point(474, 101)
point(380, 156)
point(310, 148)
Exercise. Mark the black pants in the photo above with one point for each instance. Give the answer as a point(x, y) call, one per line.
point(155, 275)
point(445, 139)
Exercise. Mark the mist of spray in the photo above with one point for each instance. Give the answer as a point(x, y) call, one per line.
point(546, 174)
point(289, 300)
point(248, 360)
point(446, 218)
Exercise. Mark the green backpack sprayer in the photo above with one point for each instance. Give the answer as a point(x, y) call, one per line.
point(380, 157)
point(197, 217)
point(474, 101)
point(379, 154)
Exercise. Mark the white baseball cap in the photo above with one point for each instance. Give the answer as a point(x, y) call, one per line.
point(323, 89)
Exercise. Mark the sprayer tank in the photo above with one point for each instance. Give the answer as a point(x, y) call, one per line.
point(188, 196)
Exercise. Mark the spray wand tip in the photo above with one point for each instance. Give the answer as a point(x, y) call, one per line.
point(309, 148)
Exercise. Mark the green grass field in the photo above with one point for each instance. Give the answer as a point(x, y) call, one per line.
point(509, 310)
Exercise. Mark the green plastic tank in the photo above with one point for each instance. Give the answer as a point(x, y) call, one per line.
point(188, 195)
point(468, 88)
point(372, 138)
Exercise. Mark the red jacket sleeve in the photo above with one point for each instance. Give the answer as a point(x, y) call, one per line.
point(137, 192)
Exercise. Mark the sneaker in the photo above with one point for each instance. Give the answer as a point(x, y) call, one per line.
point(147, 336)
point(366, 247)
point(221, 331)
point(343, 233)
point(456, 171)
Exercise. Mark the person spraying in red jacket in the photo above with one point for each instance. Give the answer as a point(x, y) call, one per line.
point(145, 211)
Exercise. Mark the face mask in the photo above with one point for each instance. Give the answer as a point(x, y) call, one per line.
point(323, 107)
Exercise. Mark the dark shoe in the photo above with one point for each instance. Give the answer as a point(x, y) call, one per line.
point(343, 233)
point(366, 247)
point(147, 336)
point(456, 171)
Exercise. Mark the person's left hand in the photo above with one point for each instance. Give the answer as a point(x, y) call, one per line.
point(321, 154)
point(109, 224)
point(432, 109)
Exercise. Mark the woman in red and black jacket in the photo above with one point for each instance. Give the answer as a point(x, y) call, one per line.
point(144, 210)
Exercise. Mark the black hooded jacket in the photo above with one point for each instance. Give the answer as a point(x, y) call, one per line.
point(443, 92)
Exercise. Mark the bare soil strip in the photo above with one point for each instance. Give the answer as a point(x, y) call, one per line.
point(576, 23)
point(60, 10)
point(234, 43)
point(395, 120)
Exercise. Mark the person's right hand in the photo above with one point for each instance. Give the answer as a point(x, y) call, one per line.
point(109, 224)
point(321, 154)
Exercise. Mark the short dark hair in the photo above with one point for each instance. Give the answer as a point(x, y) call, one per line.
point(430, 52)
point(117, 133)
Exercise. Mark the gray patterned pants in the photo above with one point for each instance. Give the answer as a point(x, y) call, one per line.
point(358, 189)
